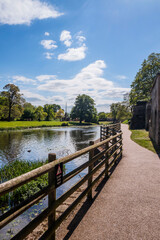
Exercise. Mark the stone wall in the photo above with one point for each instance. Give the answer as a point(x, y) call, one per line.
point(154, 124)
point(138, 121)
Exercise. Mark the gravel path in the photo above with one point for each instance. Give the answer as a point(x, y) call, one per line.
point(128, 206)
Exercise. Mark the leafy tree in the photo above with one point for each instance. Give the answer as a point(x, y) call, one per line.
point(56, 107)
point(39, 114)
point(60, 114)
point(3, 108)
point(14, 101)
point(28, 112)
point(120, 111)
point(84, 109)
point(49, 109)
point(102, 116)
point(141, 86)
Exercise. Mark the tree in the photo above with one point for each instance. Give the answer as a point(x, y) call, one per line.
point(3, 108)
point(84, 109)
point(120, 112)
point(14, 101)
point(102, 116)
point(141, 86)
point(49, 109)
point(28, 113)
point(60, 114)
point(39, 114)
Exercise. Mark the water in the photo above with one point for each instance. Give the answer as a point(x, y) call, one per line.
point(35, 145)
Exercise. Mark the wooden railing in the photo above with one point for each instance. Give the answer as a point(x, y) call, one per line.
point(109, 130)
point(111, 151)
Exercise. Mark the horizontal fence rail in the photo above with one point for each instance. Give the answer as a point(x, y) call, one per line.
point(102, 156)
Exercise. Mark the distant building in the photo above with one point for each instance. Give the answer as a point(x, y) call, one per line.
point(138, 121)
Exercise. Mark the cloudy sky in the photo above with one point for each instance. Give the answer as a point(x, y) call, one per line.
point(55, 50)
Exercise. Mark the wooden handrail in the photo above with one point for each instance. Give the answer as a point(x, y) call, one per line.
point(112, 150)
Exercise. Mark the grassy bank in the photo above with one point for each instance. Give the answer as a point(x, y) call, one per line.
point(15, 169)
point(4, 125)
point(14, 125)
point(142, 138)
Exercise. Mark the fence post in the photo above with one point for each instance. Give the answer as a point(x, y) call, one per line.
point(107, 155)
point(121, 149)
point(91, 154)
point(114, 141)
point(52, 195)
point(100, 133)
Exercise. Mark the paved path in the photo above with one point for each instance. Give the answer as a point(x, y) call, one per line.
point(128, 206)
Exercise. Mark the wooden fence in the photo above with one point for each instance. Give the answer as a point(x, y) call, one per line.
point(109, 130)
point(111, 151)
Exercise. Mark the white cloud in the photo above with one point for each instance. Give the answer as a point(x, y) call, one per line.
point(48, 44)
point(25, 11)
point(121, 77)
point(46, 33)
point(49, 55)
point(23, 80)
point(88, 81)
point(42, 78)
point(66, 38)
point(73, 54)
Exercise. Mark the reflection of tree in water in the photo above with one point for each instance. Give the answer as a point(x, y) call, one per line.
point(10, 145)
point(81, 137)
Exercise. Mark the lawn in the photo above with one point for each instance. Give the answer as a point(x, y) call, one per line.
point(142, 138)
point(4, 125)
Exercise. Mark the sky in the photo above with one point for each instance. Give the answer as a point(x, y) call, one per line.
point(56, 50)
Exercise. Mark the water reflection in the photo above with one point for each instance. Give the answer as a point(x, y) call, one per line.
point(36, 144)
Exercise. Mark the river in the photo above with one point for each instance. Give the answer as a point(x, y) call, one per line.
point(34, 145)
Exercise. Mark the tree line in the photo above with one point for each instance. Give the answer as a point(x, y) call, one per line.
point(14, 107)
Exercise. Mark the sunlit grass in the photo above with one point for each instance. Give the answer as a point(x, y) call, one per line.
point(142, 138)
point(29, 124)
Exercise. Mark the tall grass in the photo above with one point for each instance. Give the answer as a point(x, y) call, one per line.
point(15, 169)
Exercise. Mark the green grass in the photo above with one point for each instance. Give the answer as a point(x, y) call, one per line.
point(105, 123)
point(15, 169)
point(142, 138)
point(14, 125)
point(4, 125)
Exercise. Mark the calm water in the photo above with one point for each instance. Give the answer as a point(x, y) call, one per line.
point(35, 145)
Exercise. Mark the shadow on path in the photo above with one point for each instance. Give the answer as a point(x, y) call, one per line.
point(87, 204)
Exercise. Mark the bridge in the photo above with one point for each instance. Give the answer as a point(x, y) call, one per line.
point(122, 193)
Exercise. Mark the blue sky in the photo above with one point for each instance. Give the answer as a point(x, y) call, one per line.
point(55, 50)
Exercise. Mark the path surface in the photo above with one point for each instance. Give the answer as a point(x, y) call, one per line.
point(128, 206)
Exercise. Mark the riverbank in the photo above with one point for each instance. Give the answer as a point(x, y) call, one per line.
point(17, 125)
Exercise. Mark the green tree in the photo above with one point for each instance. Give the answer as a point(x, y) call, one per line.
point(141, 86)
point(3, 108)
point(84, 109)
point(39, 114)
point(60, 114)
point(28, 113)
point(120, 112)
point(49, 109)
point(102, 116)
point(14, 101)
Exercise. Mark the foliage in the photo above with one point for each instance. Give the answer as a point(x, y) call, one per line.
point(84, 109)
point(28, 113)
point(13, 102)
point(60, 114)
point(48, 108)
point(141, 86)
point(120, 112)
point(102, 116)
point(15, 169)
point(39, 114)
